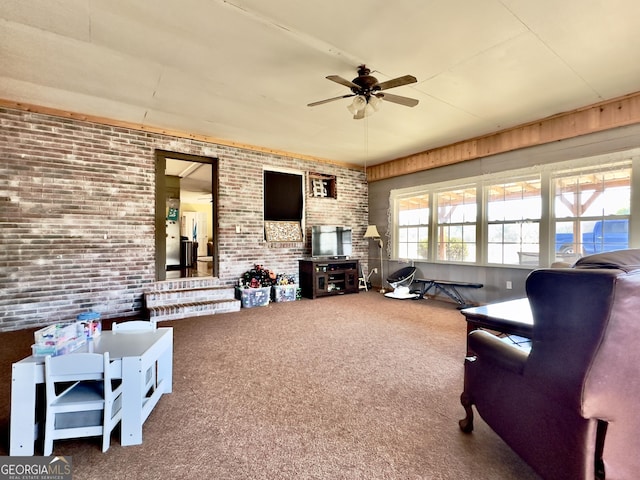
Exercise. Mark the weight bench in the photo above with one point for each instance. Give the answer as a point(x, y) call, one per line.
point(447, 287)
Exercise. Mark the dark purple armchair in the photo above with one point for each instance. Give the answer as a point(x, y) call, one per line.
point(570, 406)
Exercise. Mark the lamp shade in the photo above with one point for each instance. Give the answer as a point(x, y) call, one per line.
point(372, 232)
point(369, 110)
point(374, 102)
point(359, 102)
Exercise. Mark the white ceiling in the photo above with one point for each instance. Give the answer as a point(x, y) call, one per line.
point(195, 180)
point(244, 70)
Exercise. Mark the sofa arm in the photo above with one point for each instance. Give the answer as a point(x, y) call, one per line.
point(488, 347)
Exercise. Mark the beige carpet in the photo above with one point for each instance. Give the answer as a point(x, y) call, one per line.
point(349, 387)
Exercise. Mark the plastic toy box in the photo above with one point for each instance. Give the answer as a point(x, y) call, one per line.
point(254, 297)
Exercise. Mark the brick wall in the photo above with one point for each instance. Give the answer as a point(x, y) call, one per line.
point(77, 215)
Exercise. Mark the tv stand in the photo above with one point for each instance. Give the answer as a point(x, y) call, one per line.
point(325, 277)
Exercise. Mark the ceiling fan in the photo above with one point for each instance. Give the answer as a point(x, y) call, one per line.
point(368, 92)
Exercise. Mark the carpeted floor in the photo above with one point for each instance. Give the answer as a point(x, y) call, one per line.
point(349, 387)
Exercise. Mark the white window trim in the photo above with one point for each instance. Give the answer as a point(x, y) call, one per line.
point(547, 221)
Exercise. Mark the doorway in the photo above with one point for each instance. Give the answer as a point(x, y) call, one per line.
point(186, 215)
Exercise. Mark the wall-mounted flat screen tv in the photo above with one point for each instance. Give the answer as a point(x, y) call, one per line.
point(330, 241)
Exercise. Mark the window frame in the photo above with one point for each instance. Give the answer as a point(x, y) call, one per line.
point(547, 222)
point(418, 226)
point(525, 256)
point(463, 224)
point(578, 218)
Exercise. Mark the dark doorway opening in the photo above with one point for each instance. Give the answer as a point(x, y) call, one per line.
point(186, 215)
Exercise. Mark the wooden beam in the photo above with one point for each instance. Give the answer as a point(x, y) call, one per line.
point(602, 116)
point(162, 131)
point(619, 112)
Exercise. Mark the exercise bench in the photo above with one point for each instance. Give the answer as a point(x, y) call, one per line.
point(447, 287)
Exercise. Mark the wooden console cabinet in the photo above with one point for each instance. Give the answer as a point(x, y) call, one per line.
point(320, 278)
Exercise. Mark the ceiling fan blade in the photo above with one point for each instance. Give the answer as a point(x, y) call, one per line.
point(342, 81)
point(406, 101)
point(396, 82)
point(320, 102)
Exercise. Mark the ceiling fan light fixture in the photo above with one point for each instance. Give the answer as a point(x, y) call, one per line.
point(359, 103)
point(375, 102)
point(369, 110)
point(367, 92)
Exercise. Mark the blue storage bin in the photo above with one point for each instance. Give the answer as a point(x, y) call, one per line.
point(91, 323)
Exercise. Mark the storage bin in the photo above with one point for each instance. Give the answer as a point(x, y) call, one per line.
point(58, 333)
point(91, 324)
point(58, 339)
point(285, 293)
point(254, 297)
point(42, 350)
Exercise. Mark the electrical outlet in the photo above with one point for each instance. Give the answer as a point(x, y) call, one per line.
point(509, 285)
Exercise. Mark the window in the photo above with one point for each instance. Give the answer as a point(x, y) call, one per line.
point(532, 216)
point(457, 216)
point(413, 227)
point(592, 210)
point(513, 222)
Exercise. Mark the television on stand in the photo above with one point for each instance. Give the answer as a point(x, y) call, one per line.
point(330, 241)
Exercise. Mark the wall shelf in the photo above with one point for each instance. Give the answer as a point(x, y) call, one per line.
point(322, 186)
